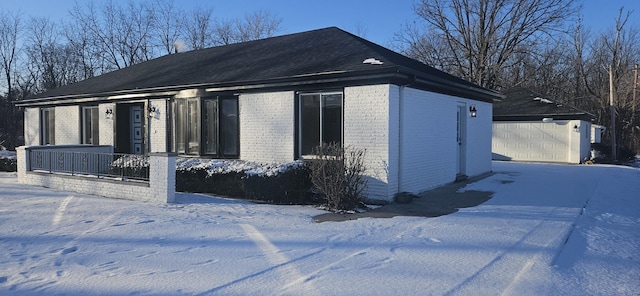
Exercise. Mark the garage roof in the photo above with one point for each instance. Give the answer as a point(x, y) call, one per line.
point(521, 104)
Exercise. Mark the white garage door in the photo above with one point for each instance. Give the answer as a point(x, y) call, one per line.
point(531, 141)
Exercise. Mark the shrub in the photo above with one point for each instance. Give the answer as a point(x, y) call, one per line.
point(276, 183)
point(8, 164)
point(338, 173)
point(288, 187)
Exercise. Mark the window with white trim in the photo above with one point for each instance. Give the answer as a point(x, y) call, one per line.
point(320, 120)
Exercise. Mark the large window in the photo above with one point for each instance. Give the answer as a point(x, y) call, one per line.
point(90, 131)
point(207, 126)
point(320, 120)
point(47, 126)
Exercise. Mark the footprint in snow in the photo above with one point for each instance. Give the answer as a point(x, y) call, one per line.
point(69, 250)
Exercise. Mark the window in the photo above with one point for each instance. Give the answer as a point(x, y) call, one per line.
point(320, 120)
point(47, 126)
point(90, 131)
point(207, 126)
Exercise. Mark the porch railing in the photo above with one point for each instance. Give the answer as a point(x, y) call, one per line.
point(95, 164)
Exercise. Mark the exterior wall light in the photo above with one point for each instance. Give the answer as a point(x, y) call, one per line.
point(108, 113)
point(576, 128)
point(152, 111)
point(473, 111)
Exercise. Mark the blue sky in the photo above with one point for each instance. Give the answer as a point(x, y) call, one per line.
point(379, 19)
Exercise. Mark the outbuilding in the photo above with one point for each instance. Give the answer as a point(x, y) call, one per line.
point(529, 127)
point(274, 100)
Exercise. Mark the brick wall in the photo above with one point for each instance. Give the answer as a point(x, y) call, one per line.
point(106, 125)
point(159, 189)
point(429, 139)
point(367, 126)
point(157, 126)
point(32, 126)
point(267, 126)
point(67, 123)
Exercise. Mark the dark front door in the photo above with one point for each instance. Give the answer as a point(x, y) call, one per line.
point(130, 128)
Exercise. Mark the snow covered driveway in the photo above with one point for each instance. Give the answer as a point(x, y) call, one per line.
point(521, 242)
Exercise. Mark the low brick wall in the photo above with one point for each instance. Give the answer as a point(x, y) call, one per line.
point(159, 189)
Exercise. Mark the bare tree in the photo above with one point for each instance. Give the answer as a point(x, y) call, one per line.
point(256, 25)
point(10, 27)
point(478, 38)
point(199, 26)
point(121, 34)
point(169, 23)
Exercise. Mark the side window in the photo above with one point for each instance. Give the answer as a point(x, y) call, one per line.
point(90, 129)
point(47, 126)
point(320, 120)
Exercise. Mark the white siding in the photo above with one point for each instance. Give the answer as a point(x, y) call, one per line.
point(369, 121)
point(267, 126)
point(67, 123)
point(32, 126)
point(555, 141)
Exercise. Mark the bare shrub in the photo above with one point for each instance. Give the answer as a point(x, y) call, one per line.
point(338, 173)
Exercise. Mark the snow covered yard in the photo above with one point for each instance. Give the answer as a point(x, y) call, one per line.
point(521, 242)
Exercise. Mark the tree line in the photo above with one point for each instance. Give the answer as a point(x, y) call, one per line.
point(542, 45)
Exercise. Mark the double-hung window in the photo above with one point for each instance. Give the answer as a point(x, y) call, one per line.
point(207, 126)
point(90, 131)
point(320, 120)
point(47, 126)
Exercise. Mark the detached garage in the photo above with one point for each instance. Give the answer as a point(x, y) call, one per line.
point(529, 127)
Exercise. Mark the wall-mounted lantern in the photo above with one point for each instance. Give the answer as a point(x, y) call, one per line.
point(152, 111)
point(108, 113)
point(576, 128)
point(473, 111)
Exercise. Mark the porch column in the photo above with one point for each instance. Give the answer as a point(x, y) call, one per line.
point(162, 177)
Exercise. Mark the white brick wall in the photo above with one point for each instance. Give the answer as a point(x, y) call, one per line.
point(106, 125)
point(367, 126)
point(428, 139)
point(267, 126)
point(159, 189)
point(478, 146)
point(67, 123)
point(158, 126)
point(32, 126)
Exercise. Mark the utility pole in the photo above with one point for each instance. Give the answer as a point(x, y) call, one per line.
point(612, 109)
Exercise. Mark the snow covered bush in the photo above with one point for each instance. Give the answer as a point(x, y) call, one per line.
point(273, 182)
point(338, 173)
point(7, 160)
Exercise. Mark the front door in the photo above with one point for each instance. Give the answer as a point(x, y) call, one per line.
point(129, 128)
point(136, 132)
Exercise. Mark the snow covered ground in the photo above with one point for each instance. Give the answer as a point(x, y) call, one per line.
point(548, 230)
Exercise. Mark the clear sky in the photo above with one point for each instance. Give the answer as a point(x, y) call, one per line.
point(379, 19)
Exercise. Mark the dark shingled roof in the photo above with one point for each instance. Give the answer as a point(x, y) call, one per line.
point(319, 56)
point(521, 104)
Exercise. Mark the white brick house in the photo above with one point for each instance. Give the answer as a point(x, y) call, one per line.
point(273, 100)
